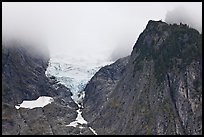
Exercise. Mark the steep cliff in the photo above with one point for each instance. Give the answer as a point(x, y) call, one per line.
point(23, 78)
point(159, 90)
point(101, 85)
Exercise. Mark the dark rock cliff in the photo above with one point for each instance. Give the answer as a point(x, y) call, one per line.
point(159, 90)
point(101, 85)
point(23, 78)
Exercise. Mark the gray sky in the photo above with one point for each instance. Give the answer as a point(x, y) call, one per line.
point(91, 28)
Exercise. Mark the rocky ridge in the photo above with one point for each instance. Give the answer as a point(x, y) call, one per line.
point(159, 91)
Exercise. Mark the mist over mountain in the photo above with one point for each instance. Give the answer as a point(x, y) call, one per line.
point(182, 15)
point(101, 68)
point(157, 90)
point(108, 30)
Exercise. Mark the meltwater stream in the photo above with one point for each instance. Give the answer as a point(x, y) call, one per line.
point(74, 73)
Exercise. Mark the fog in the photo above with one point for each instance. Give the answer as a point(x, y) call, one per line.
point(96, 29)
point(183, 15)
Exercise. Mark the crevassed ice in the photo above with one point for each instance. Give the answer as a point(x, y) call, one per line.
point(40, 102)
point(74, 73)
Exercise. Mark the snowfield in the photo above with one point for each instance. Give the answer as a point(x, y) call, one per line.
point(40, 102)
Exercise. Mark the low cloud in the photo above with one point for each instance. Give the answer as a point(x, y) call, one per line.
point(186, 16)
point(99, 30)
point(119, 52)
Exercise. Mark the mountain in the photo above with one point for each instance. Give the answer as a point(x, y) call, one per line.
point(24, 79)
point(157, 90)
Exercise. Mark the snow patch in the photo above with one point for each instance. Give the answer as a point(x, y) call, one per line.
point(92, 130)
point(40, 102)
point(79, 120)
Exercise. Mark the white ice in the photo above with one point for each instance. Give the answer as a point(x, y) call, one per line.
point(74, 73)
point(79, 120)
point(40, 102)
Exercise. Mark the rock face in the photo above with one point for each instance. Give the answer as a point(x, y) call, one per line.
point(157, 90)
point(99, 88)
point(23, 78)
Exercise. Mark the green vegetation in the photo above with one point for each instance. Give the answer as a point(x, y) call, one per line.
point(181, 46)
point(179, 50)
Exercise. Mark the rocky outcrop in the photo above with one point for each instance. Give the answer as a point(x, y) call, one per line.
point(23, 78)
point(99, 88)
point(159, 90)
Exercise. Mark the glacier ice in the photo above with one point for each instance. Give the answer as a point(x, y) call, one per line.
point(75, 73)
